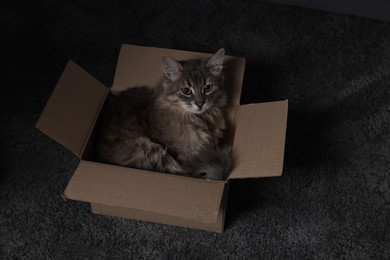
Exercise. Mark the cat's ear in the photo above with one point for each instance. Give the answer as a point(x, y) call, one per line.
point(215, 63)
point(172, 68)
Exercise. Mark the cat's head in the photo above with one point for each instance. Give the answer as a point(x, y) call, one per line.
point(195, 85)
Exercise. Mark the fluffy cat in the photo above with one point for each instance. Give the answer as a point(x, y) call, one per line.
point(177, 127)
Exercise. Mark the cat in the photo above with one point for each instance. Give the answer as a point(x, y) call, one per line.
point(177, 127)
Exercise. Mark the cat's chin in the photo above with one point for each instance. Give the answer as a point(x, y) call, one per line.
point(198, 112)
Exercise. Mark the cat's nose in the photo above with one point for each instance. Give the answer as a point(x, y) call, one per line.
point(199, 104)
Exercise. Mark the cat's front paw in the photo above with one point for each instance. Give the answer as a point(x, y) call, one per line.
point(170, 165)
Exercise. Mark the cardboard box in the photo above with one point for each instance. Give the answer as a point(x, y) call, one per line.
point(74, 106)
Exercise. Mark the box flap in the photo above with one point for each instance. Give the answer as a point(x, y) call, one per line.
point(259, 140)
point(147, 191)
point(72, 109)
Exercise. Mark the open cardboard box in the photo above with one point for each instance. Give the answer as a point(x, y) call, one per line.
point(257, 135)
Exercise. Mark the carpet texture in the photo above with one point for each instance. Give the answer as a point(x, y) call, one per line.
point(333, 200)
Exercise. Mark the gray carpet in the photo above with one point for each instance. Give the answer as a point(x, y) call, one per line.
point(333, 200)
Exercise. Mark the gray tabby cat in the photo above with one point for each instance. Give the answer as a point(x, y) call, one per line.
point(177, 127)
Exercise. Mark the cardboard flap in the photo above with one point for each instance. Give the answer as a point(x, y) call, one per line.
point(72, 109)
point(259, 140)
point(148, 191)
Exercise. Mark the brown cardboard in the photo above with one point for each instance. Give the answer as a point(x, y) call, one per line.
point(259, 140)
point(148, 191)
point(70, 117)
point(129, 213)
point(71, 112)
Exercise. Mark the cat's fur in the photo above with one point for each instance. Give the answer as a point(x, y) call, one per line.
point(177, 127)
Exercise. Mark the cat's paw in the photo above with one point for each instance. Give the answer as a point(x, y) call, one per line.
point(170, 165)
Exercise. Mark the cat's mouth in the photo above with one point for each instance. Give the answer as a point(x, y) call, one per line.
point(196, 109)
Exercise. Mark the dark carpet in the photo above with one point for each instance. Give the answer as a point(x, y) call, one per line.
point(333, 200)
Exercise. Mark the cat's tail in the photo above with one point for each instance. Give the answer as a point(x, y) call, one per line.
point(213, 163)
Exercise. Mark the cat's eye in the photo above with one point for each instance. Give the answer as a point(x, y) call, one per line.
point(186, 91)
point(208, 88)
